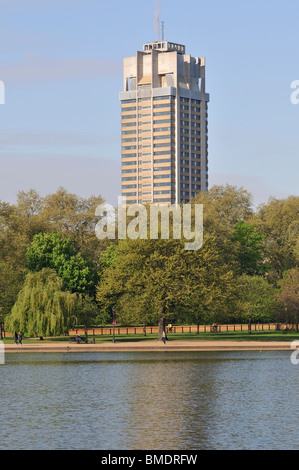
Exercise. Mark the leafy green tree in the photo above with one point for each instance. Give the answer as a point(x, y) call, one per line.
point(87, 311)
point(42, 306)
point(11, 282)
point(209, 282)
point(48, 250)
point(248, 249)
point(54, 251)
point(74, 217)
point(288, 296)
point(255, 300)
point(223, 208)
point(226, 204)
point(154, 281)
point(63, 212)
point(136, 284)
point(278, 222)
point(108, 257)
point(14, 237)
point(32, 214)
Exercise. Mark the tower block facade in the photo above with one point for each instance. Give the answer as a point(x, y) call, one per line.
point(164, 125)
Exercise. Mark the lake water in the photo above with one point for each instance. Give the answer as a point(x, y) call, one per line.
point(149, 400)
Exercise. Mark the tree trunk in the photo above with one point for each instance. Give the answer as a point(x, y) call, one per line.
point(161, 326)
point(197, 329)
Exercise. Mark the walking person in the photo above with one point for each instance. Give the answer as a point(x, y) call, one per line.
point(20, 338)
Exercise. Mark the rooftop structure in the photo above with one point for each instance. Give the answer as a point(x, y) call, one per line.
point(164, 125)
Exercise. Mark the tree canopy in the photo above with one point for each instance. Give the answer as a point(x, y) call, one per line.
point(288, 296)
point(154, 281)
point(52, 250)
point(248, 249)
point(245, 270)
point(42, 307)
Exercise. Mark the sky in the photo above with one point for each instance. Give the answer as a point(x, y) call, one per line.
point(61, 69)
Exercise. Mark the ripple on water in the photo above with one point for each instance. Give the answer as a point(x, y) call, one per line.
point(173, 401)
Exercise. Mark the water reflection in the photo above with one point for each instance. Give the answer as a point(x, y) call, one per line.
point(169, 399)
point(210, 400)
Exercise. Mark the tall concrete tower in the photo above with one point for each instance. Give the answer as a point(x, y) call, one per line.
point(164, 125)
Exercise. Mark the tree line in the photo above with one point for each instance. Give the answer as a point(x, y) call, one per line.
point(55, 273)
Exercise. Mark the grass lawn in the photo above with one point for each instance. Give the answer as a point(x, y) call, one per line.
point(291, 335)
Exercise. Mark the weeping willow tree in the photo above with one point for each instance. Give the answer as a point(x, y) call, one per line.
point(42, 307)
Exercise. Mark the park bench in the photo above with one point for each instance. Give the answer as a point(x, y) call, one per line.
point(79, 339)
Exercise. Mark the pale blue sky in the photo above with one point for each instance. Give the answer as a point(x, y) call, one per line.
point(61, 62)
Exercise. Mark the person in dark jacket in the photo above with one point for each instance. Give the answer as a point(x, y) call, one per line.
point(164, 337)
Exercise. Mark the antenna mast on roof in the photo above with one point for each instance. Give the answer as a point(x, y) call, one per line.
point(163, 24)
